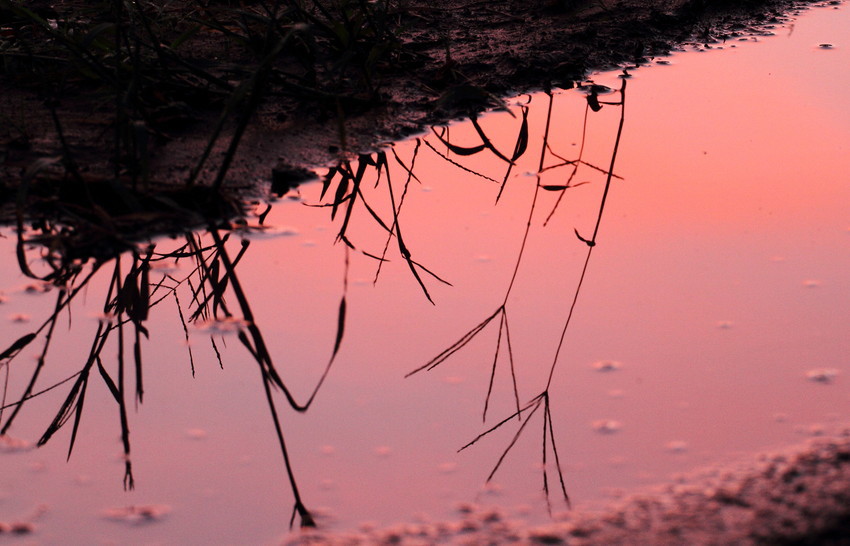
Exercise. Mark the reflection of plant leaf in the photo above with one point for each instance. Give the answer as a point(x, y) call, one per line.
point(522, 138)
point(341, 190)
point(547, 424)
point(486, 140)
point(457, 345)
point(503, 327)
point(108, 380)
point(512, 442)
point(340, 326)
point(19, 344)
point(326, 183)
point(589, 242)
point(459, 150)
point(519, 148)
point(458, 165)
point(532, 405)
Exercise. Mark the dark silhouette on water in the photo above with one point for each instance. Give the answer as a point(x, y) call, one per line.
point(134, 285)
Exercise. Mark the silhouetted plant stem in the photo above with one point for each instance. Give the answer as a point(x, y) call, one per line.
point(591, 243)
point(39, 364)
point(525, 413)
point(269, 375)
point(299, 508)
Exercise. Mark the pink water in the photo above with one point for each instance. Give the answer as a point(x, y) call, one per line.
point(718, 282)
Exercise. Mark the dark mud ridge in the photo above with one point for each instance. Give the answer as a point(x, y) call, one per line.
point(446, 60)
point(798, 496)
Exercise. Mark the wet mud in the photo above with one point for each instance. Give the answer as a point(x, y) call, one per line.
point(796, 496)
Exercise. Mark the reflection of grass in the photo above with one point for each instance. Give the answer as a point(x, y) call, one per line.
point(132, 291)
point(526, 412)
point(216, 294)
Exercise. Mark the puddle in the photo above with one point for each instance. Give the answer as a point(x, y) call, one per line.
point(710, 321)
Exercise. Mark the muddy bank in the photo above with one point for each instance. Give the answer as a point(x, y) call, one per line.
point(452, 59)
point(797, 496)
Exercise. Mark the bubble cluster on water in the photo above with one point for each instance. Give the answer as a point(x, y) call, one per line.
point(822, 375)
point(606, 426)
point(137, 514)
point(607, 365)
point(228, 325)
point(676, 446)
point(8, 444)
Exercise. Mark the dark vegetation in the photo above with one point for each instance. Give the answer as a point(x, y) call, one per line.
point(104, 104)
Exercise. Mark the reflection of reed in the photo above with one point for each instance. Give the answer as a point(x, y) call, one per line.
point(526, 412)
point(213, 284)
point(130, 295)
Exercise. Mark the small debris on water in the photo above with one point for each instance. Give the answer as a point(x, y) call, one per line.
point(814, 430)
point(196, 433)
point(606, 426)
point(20, 318)
point(137, 515)
point(36, 288)
point(262, 231)
point(607, 365)
point(13, 445)
point(17, 527)
point(676, 446)
point(229, 325)
point(106, 319)
point(811, 283)
point(825, 46)
point(447, 468)
point(492, 489)
point(822, 375)
point(724, 324)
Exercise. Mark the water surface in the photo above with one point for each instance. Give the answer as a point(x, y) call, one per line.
point(715, 299)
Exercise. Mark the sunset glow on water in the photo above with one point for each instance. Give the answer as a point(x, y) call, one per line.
point(711, 324)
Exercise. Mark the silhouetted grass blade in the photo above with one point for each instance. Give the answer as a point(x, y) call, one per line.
point(459, 150)
point(456, 346)
point(109, 383)
point(588, 242)
point(522, 139)
point(474, 120)
point(19, 344)
point(340, 326)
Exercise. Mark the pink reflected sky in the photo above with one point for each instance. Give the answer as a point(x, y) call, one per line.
point(719, 280)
